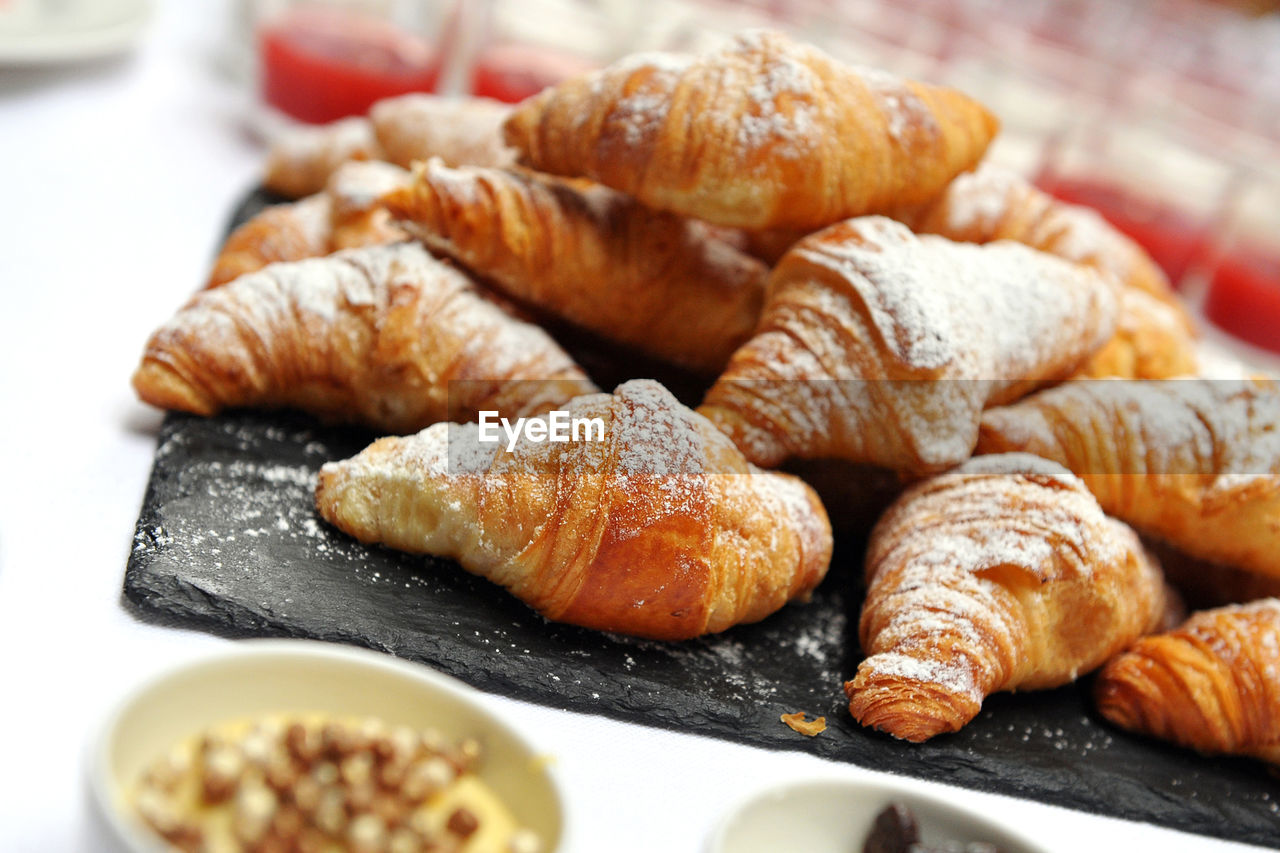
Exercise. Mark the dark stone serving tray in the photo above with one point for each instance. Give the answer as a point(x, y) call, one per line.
point(228, 541)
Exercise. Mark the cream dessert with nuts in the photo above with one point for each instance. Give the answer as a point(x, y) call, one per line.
point(314, 784)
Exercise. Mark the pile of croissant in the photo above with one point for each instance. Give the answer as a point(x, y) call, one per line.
point(825, 245)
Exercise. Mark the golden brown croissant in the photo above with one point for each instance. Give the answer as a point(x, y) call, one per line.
point(991, 203)
point(1194, 462)
point(656, 281)
point(346, 215)
point(659, 530)
point(359, 218)
point(380, 336)
point(280, 233)
point(882, 347)
point(300, 162)
point(461, 131)
point(766, 133)
point(1212, 685)
point(1003, 574)
point(401, 130)
point(1152, 341)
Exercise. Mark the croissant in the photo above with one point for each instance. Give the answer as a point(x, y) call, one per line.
point(280, 233)
point(1152, 341)
point(345, 216)
point(1194, 462)
point(659, 530)
point(401, 130)
point(766, 133)
point(992, 203)
point(461, 131)
point(1212, 685)
point(1155, 338)
point(386, 336)
point(879, 346)
point(664, 284)
point(1003, 574)
point(300, 161)
point(358, 218)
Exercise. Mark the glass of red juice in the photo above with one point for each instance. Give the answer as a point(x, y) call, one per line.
point(1242, 295)
point(524, 46)
point(511, 71)
point(319, 62)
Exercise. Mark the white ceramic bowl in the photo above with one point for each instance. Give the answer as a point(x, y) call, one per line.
point(264, 676)
point(834, 816)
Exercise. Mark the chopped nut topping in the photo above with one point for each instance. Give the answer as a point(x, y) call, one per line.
point(222, 767)
point(301, 783)
point(462, 823)
point(367, 834)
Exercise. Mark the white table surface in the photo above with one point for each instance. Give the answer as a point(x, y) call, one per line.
point(117, 178)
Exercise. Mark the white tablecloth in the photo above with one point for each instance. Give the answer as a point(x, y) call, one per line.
point(117, 179)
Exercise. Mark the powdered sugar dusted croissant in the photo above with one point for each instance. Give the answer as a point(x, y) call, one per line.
point(659, 282)
point(374, 335)
point(991, 203)
point(1212, 685)
point(660, 530)
point(1003, 574)
point(301, 160)
point(879, 346)
point(400, 130)
point(355, 191)
point(280, 233)
point(1152, 341)
point(765, 133)
point(1193, 461)
point(1154, 338)
point(459, 130)
point(346, 215)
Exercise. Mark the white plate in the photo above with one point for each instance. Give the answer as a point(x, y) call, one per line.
point(834, 816)
point(255, 677)
point(38, 32)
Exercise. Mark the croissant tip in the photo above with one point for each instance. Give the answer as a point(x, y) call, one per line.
point(160, 385)
point(903, 717)
point(1114, 698)
point(905, 708)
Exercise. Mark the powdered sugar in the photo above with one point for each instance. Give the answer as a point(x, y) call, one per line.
point(782, 102)
point(935, 614)
point(979, 199)
point(952, 677)
point(1001, 311)
point(357, 185)
point(977, 204)
point(641, 113)
point(1221, 428)
point(457, 130)
point(657, 437)
point(905, 113)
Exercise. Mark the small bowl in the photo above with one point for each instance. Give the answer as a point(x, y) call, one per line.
point(834, 816)
point(256, 677)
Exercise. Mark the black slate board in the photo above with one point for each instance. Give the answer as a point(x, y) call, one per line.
point(228, 541)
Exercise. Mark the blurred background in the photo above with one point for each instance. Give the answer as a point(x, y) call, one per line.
point(1164, 116)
